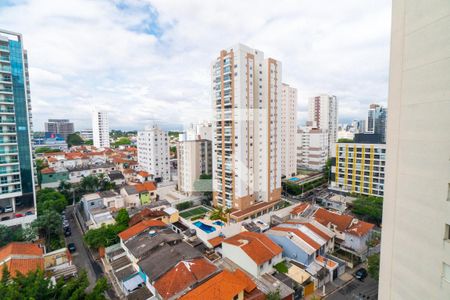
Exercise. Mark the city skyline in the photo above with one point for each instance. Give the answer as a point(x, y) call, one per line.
point(158, 36)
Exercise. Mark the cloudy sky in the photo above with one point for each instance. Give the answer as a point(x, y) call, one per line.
point(147, 60)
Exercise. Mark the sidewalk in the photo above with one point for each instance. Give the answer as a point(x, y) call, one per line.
point(332, 287)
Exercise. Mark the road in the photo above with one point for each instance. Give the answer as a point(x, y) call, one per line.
point(356, 290)
point(82, 258)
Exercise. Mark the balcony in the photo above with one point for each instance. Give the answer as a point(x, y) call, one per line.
point(10, 171)
point(8, 151)
point(7, 121)
point(6, 69)
point(6, 90)
point(8, 182)
point(4, 48)
point(7, 100)
point(4, 58)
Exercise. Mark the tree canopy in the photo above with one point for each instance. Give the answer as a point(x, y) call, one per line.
point(50, 199)
point(373, 269)
point(104, 236)
point(122, 217)
point(45, 150)
point(368, 208)
point(122, 141)
point(36, 286)
point(74, 139)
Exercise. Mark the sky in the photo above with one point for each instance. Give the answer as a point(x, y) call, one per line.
point(147, 61)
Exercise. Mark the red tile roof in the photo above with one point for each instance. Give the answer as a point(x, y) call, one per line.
point(16, 248)
point(183, 275)
point(326, 217)
point(23, 266)
point(140, 227)
point(143, 174)
point(224, 286)
point(145, 214)
point(24, 257)
point(147, 186)
point(317, 231)
point(300, 209)
point(359, 228)
point(300, 234)
point(257, 246)
point(216, 241)
point(47, 171)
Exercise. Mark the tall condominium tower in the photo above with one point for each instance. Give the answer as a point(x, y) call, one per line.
point(322, 112)
point(376, 121)
point(246, 90)
point(17, 190)
point(100, 129)
point(60, 126)
point(415, 243)
point(288, 130)
point(153, 152)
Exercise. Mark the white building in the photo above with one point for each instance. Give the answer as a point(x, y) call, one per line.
point(202, 131)
point(100, 129)
point(86, 134)
point(153, 152)
point(322, 112)
point(246, 91)
point(359, 168)
point(194, 159)
point(312, 148)
point(415, 245)
point(288, 130)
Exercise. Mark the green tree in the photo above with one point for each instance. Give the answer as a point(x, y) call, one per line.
point(104, 236)
point(49, 226)
point(373, 269)
point(74, 140)
point(122, 141)
point(274, 295)
point(184, 205)
point(89, 142)
point(368, 208)
point(50, 199)
point(122, 217)
point(90, 183)
point(327, 170)
point(45, 150)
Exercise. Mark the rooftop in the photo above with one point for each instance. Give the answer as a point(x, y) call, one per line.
point(140, 227)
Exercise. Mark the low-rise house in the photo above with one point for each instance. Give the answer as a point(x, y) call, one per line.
point(357, 236)
point(91, 201)
point(112, 200)
point(21, 258)
point(95, 212)
point(117, 177)
point(143, 176)
point(52, 177)
point(253, 252)
point(76, 174)
point(139, 194)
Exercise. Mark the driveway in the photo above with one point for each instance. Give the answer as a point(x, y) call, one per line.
point(356, 290)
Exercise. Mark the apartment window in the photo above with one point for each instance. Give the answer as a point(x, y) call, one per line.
point(446, 273)
point(448, 193)
point(447, 233)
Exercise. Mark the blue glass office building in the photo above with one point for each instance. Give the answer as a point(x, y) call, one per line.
point(17, 184)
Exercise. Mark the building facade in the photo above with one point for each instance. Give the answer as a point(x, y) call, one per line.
point(376, 121)
point(194, 159)
point(288, 130)
point(322, 113)
point(62, 127)
point(247, 92)
point(359, 168)
point(100, 129)
point(312, 148)
point(415, 243)
point(17, 180)
point(153, 152)
point(86, 134)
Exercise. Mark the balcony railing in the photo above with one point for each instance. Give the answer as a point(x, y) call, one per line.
point(5, 68)
point(5, 48)
point(7, 120)
point(7, 100)
point(16, 170)
point(9, 191)
point(11, 161)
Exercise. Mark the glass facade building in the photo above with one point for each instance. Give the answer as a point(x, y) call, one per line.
point(17, 180)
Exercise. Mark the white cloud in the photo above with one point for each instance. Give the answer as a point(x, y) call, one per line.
point(146, 60)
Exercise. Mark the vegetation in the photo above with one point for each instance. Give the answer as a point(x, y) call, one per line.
point(296, 189)
point(45, 150)
point(344, 140)
point(89, 142)
point(50, 199)
point(194, 213)
point(184, 205)
point(94, 183)
point(175, 134)
point(374, 266)
point(122, 217)
point(122, 141)
point(173, 149)
point(281, 267)
point(104, 236)
point(275, 295)
point(9, 234)
point(115, 134)
point(49, 225)
point(327, 170)
point(36, 286)
point(40, 164)
point(74, 139)
point(219, 213)
point(368, 208)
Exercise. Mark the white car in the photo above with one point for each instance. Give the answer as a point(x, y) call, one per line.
point(8, 209)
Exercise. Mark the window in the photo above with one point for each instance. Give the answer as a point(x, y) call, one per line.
point(447, 233)
point(446, 272)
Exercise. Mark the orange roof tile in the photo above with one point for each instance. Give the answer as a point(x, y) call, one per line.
point(300, 234)
point(183, 275)
point(16, 248)
point(24, 257)
point(23, 266)
point(299, 208)
point(326, 217)
point(216, 241)
point(257, 246)
point(143, 174)
point(317, 231)
point(224, 286)
point(330, 263)
point(47, 171)
point(360, 228)
point(140, 227)
point(145, 187)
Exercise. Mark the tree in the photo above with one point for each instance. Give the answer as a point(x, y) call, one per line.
point(327, 169)
point(74, 139)
point(184, 205)
point(45, 150)
point(90, 183)
point(104, 236)
point(274, 295)
point(49, 225)
point(373, 269)
point(7, 235)
point(368, 208)
point(122, 217)
point(50, 199)
point(40, 164)
point(122, 141)
point(345, 140)
point(89, 142)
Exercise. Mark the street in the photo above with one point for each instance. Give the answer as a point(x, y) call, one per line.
point(356, 290)
point(82, 258)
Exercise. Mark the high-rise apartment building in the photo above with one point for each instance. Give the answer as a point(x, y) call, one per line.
point(100, 129)
point(86, 134)
point(359, 168)
point(288, 130)
point(415, 242)
point(63, 127)
point(312, 148)
point(322, 112)
point(246, 90)
point(376, 121)
point(17, 185)
point(153, 152)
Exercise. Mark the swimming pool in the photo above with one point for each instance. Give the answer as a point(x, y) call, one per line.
point(204, 227)
point(220, 223)
point(294, 179)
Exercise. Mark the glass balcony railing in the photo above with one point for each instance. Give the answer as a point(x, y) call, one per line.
point(2, 47)
point(11, 141)
point(11, 161)
point(9, 151)
point(6, 110)
point(7, 120)
point(7, 131)
point(5, 68)
point(5, 90)
point(4, 58)
point(7, 100)
point(10, 181)
point(14, 170)
point(2, 192)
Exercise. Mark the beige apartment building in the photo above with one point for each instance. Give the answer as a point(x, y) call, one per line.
point(312, 148)
point(288, 130)
point(246, 90)
point(415, 247)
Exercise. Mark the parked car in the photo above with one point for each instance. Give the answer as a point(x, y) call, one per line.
point(18, 215)
point(8, 209)
point(67, 232)
point(5, 218)
point(29, 213)
point(72, 248)
point(360, 274)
